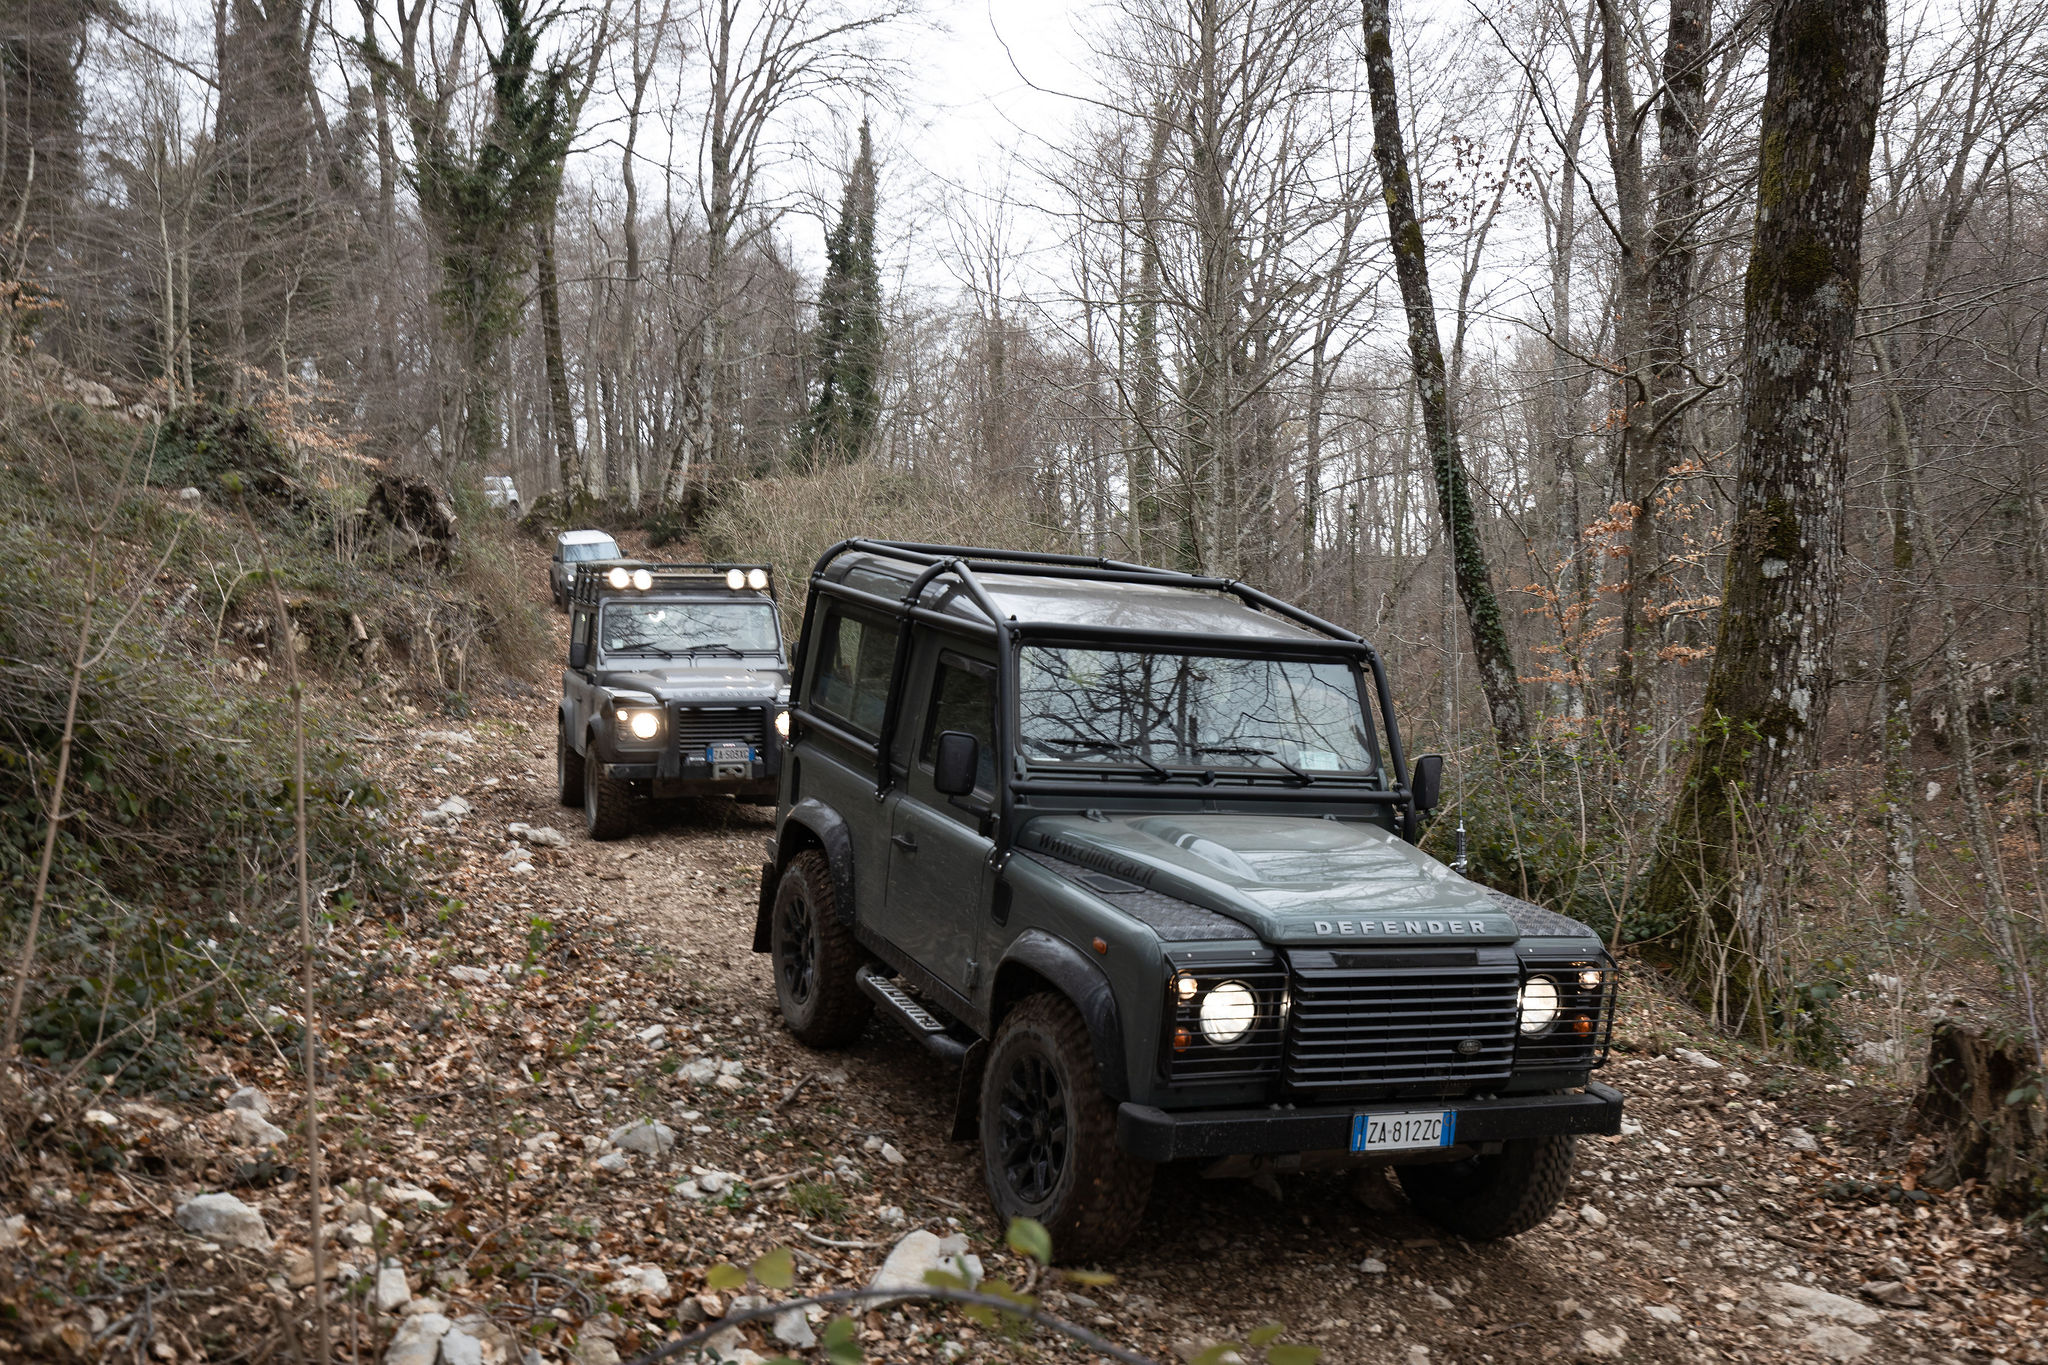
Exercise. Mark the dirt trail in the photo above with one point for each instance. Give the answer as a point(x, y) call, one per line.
point(489, 1057)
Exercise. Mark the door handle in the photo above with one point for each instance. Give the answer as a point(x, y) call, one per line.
point(904, 842)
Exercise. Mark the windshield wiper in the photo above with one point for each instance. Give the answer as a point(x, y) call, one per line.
point(639, 647)
point(717, 645)
point(1104, 746)
point(1248, 751)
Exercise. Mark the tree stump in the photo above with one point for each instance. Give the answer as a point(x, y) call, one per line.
point(1983, 1099)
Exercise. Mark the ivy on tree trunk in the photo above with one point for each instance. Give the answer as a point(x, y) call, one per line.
point(1490, 647)
point(1768, 688)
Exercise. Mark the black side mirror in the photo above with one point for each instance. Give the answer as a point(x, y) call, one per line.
point(958, 758)
point(579, 653)
point(1428, 785)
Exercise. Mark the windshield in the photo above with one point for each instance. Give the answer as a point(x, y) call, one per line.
point(676, 628)
point(590, 549)
point(1156, 710)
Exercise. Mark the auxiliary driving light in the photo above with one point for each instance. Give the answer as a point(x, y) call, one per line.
point(644, 724)
point(1185, 987)
point(735, 579)
point(1539, 1004)
point(1591, 979)
point(757, 579)
point(782, 724)
point(618, 578)
point(1227, 1013)
point(642, 579)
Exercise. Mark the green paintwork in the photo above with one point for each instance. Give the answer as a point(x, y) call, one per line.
point(1294, 879)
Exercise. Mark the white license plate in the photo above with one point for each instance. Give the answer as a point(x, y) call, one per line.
point(730, 753)
point(1403, 1132)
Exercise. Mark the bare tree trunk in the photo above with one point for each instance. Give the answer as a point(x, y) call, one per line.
point(1490, 647)
point(1767, 691)
point(1635, 480)
point(568, 462)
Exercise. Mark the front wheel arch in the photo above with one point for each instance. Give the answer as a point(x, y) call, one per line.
point(1038, 962)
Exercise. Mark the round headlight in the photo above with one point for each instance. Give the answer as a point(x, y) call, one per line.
point(1228, 1012)
point(757, 579)
point(618, 578)
point(642, 579)
point(644, 724)
point(735, 580)
point(1539, 1004)
point(782, 724)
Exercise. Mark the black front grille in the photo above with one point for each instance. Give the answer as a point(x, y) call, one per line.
point(698, 726)
point(1401, 1023)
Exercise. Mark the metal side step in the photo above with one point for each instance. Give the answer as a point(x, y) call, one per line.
point(909, 1014)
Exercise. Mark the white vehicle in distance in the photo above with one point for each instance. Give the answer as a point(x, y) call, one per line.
point(501, 492)
point(573, 548)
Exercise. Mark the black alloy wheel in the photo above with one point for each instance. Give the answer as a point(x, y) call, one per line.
point(796, 950)
point(1033, 1130)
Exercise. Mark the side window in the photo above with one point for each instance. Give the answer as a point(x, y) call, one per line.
point(963, 699)
point(854, 661)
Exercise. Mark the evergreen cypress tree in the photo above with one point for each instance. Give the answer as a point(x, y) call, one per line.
point(842, 418)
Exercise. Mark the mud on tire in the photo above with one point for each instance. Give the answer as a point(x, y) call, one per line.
point(814, 957)
point(1485, 1198)
point(607, 806)
point(1048, 1134)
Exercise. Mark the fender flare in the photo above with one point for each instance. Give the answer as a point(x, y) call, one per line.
point(1070, 972)
point(822, 827)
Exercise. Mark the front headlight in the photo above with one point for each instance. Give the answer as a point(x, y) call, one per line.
point(1538, 1004)
point(643, 724)
point(1228, 1012)
point(782, 724)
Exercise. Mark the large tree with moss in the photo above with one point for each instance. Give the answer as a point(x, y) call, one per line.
point(842, 418)
point(1707, 897)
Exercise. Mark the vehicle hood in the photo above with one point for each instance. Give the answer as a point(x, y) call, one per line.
point(1290, 879)
point(693, 685)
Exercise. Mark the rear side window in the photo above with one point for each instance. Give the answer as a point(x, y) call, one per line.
point(964, 699)
point(854, 663)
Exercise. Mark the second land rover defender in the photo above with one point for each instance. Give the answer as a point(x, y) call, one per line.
point(676, 686)
point(1137, 848)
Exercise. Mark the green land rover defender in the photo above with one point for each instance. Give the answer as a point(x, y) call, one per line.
point(1137, 849)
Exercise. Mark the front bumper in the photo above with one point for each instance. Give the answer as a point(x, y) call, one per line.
point(693, 779)
point(1156, 1134)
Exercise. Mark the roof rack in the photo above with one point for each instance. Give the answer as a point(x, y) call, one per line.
point(965, 564)
point(962, 563)
point(593, 578)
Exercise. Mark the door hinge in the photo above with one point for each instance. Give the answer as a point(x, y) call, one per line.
point(973, 973)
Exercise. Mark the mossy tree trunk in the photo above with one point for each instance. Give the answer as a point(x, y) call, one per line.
point(1768, 688)
point(1490, 647)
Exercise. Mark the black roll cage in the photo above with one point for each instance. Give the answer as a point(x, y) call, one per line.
point(962, 564)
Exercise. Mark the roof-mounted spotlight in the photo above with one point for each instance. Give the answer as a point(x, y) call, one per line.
point(757, 579)
point(642, 579)
point(735, 579)
point(618, 578)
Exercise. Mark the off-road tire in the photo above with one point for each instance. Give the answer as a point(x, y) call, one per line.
point(820, 1000)
point(1486, 1198)
point(568, 771)
point(1097, 1198)
point(607, 806)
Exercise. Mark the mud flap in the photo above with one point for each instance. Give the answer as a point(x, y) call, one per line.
point(967, 1104)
